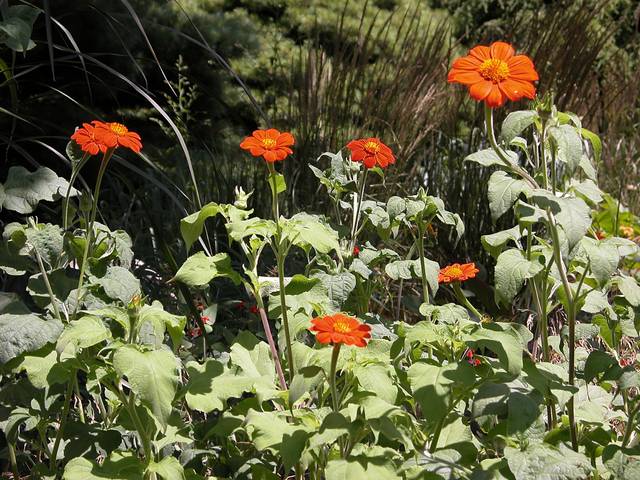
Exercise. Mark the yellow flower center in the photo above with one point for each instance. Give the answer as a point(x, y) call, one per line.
point(342, 327)
point(372, 146)
point(455, 272)
point(268, 142)
point(118, 128)
point(494, 69)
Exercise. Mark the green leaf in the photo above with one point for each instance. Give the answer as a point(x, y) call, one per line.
point(25, 333)
point(376, 378)
point(120, 284)
point(588, 169)
point(339, 287)
point(408, 269)
point(280, 183)
point(61, 284)
point(603, 259)
point(199, 269)
point(305, 230)
point(152, 375)
point(168, 468)
point(545, 462)
point(503, 191)
point(512, 269)
point(192, 225)
point(162, 321)
point(515, 123)
point(489, 157)
point(588, 190)
point(629, 288)
point(595, 301)
point(567, 138)
point(302, 294)
point(433, 386)
point(361, 468)
point(450, 313)
point(17, 25)
point(44, 369)
point(85, 332)
point(495, 242)
point(598, 363)
point(572, 214)
point(595, 141)
point(119, 466)
point(504, 340)
point(23, 189)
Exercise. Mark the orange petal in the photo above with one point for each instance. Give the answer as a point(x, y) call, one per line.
point(502, 50)
point(357, 155)
point(285, 139)
point(521, 67)
point(323, 337)
point(515, 89)
point(466, 63)
point(369, 161)
point(481, 52)
point(272, 133)
point(466, 77)
point(480, 90)
point(495, 98)
point(260, 134)
point(270, 156)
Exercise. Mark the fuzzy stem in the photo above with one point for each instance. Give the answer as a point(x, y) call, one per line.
point(280, 257)
point(63, 421)
point(13, 460)
point(272, 345)
point(356, 213)
point(74, 174)
point(94, 208)
point(465, 301)
point(423, 268)
point(332, 376)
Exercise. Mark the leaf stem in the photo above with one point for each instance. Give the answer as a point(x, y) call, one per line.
point(63, 421)
point(358, 205)
point(332, 376)
point(423, 268)
point(465, 301)
point(75, 171)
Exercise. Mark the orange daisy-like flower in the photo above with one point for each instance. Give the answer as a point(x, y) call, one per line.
point(341, 328)
point(115, 135)
point(495, 74)
point(86, 139)
point(271, 144)
point(457, 272)
point(371, 152)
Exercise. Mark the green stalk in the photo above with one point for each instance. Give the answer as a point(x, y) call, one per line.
point(146, 443)
point(465, 301)
point(571, 319)
point(358, 205)
point(77, 390)
point(74, 174)
point(45, 278)
point(94, 208)
point(332, 376)
point(629, 427)
point(63, 421)
point(13, 460)
point(280, 257)
point(423, 268)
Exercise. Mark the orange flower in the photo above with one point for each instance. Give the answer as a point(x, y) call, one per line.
point(115, 135)
point(271, 144)
point(626, 231)
point(85, 137)
point(371, 152)
point(494, 74)
point(457, 272)
point(340, 328)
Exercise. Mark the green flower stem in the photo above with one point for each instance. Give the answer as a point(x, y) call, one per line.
point(76, 387)
point(280, 257)
point(358, 205)
point(92, 219)
point(488, 117)
point(74, 175)
point(272, 344)
point(332, 376)
point(423, 269)
point(553, 228)
point(146, 442)
point(629, 427)
point(571, 319)
point(63, 422)
point(464, 300)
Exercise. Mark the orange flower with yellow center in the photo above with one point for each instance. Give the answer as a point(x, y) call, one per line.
point(114, 135)
point(341, 329)
point(86, 139)
point(626, 231)
point(457, 272)
point(371, 152)
point(495, 74)
point(272, 145)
